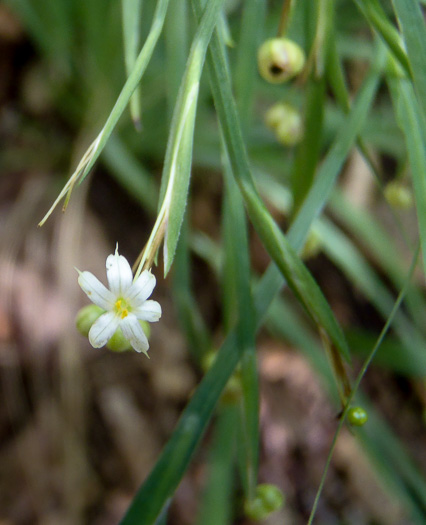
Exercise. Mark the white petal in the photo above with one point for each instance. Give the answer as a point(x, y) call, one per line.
point(103, 329)
point(148, 311)
point(96, 291)
point(132, 331)
point(119, 274)
point(141, 289)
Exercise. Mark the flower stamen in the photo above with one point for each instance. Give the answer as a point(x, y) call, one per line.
point(121, 308)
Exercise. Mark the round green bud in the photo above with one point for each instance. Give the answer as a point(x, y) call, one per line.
point(357, 416)
point(86, 317)
point(233, 389)
point(279, 60)
point(398, 195)
point(286, 122)
point(208, 360)
point(267, 500)
point(312, 245)
point(118, 343)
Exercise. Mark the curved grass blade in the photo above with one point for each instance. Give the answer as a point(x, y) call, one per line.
point(374, 13)
point(95, 149)
point(298, 277)
point(177, 166)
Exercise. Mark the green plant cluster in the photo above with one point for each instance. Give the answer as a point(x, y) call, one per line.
point(194, 89)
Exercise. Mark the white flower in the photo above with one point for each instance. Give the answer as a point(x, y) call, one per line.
point(125, 303)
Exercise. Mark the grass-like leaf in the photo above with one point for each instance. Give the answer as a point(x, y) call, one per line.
point(413, 28)
point(298, 277)
point(177, 167)
point(95, 149)
point(131, 13)
point(237, 281)
point(411, 122)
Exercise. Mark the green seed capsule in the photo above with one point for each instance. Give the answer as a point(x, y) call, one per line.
point(86, 317)
point(268, 499)
point(398, 195)
point(286, 122)
point(279, 60)
point(118, 343)
point(312, 245)
point(357, 416)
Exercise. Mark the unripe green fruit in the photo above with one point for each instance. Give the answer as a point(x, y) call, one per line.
point(357, 416)
point(312, 245)
point(280, 59)
point(286, 122)
point(233, 389)
point(118, 343)
point(398, 195)
point(267, 500)
point(86, 317)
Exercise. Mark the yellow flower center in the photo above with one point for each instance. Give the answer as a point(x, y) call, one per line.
point(121, 308)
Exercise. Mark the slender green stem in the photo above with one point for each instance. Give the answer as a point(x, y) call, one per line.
point(359, 378)
point(285, 17)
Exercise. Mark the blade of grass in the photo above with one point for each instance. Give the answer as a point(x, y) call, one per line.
point(173, 462)
point(409, 119)
point(132, 82)
point(298, 277)
point(216, 505)
point(177, 164)
point(376, 16)
point(412, 24)
point(176, 39)
point(245, 74)
point(308, 152)
point(131, 14)
point(237, 269)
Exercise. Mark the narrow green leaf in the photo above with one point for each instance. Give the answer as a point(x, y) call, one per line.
point(245, 74)
point(376, 16)
point(131, 14)
point(238, 278)
point(216, 506)
point(95, 149)
point(298, 277)
point(413, 28)
point(330, 168)
point(173, 462)
point(176, 40)
point(409, 119)
point(308, 152)
point(177, 167)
